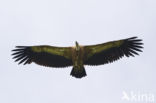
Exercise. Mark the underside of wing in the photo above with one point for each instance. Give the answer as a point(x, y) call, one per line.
point(112, 51)
point(43, 55)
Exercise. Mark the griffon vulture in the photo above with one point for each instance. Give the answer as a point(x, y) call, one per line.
point(79, 55)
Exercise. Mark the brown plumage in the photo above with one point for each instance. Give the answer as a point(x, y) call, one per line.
point(78, 56)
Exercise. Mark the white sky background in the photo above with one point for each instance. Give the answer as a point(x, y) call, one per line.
point(61, 23)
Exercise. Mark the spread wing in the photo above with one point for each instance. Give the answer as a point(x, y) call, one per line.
point(43, 55)
point(112, 51)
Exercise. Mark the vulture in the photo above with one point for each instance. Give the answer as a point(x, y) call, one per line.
point(79, 55)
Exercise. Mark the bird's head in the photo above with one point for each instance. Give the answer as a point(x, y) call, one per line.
point(77, 46)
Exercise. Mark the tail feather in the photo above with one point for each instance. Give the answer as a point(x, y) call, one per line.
point(78, 73)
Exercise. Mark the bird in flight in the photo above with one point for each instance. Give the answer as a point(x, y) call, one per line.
point(78, 56)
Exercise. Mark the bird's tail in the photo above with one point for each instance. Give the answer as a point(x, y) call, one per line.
point(78, 72)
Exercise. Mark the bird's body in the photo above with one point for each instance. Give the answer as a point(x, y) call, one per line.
point(78, 56)
point(78, 61)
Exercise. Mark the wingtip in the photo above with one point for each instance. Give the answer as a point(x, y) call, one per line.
point(132, 38)
point(21, 46)
point(135, 38)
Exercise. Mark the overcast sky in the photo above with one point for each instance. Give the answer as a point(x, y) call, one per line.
point(61, 23)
